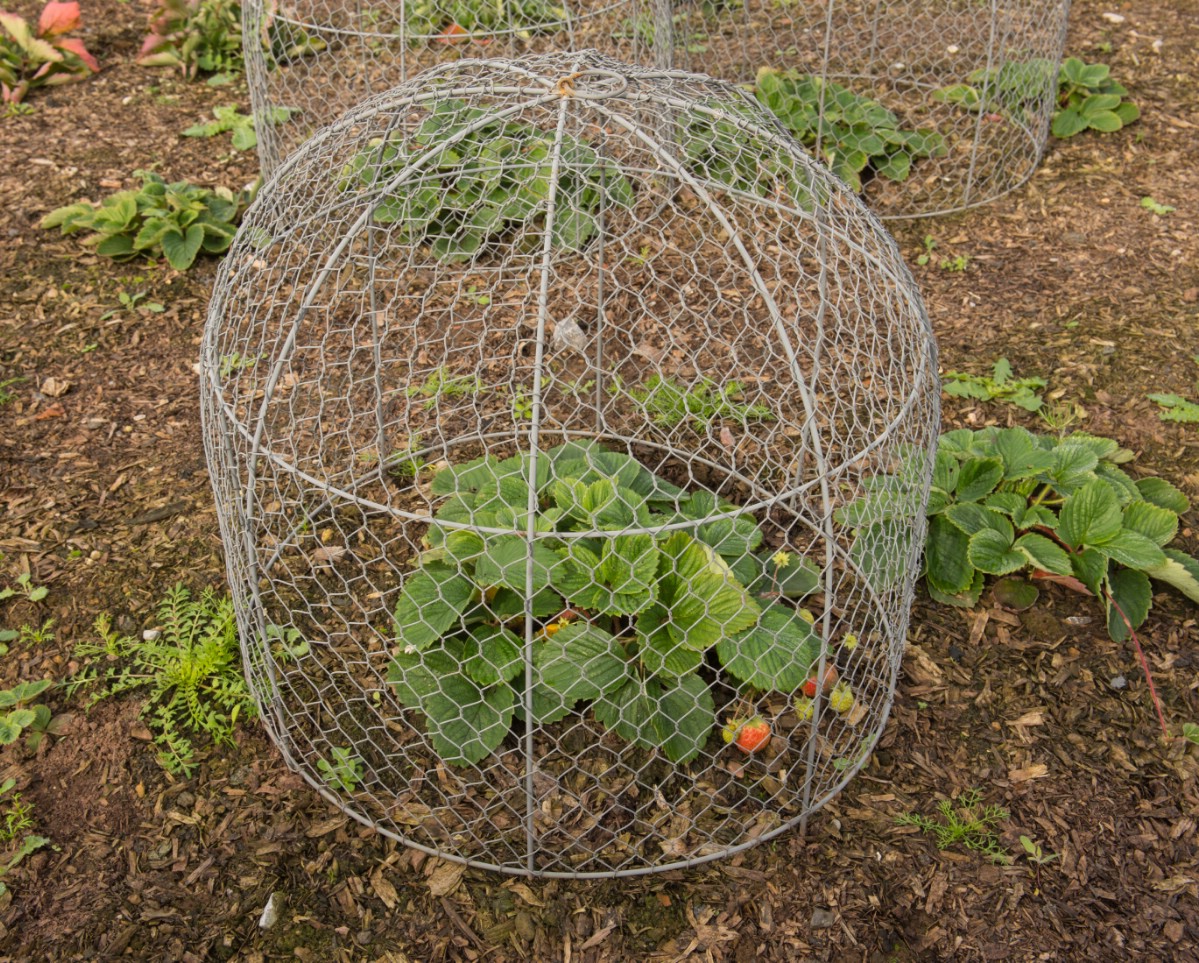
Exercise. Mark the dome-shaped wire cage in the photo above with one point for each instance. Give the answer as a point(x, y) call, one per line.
point(316, 59)
point(932, 106)
point(571, 432)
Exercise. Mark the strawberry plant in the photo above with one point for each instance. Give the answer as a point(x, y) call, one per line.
point(43, 57)
point(671, 403)
point(466, 20)
point(619, 613)
point(1000, 386)
point(1006, 502)
point(858, 137)
point(488, 180)
point(178, 220)
point(1087, 97)
point(241, 125)
point(195, 36)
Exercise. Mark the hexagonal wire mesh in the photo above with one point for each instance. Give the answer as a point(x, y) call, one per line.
point(981, 75)
point(542, 399)
point(318, 58)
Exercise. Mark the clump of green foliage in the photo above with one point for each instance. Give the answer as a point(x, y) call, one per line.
point(1061, 510)
point(230, 119)
point(195, 37)
point(16, 818)
point(489, 180)
point(999, 386)
point(41, 57)
point(623, 622)
point(670, 403)
point(190, 674)
point(857, 136)
point(1087, 96)
point(178, 221)
point(342, 770)
point(442, 384)
point(460, 21)
point(1175, 408)
point(964, 822)
point(23, 715)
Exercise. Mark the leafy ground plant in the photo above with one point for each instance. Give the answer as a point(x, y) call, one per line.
point(623, 622)
point(230, 119)
point(671, 403)
point(963, 822)
point(25, 588)
point(190, 673)
point(1175, 408)
point(489, 180)
point(195, 36)
point(1087, 97)
point(16, 817)
point(461, 21)
point(178, 221)
point(43, 57)
point(999, 386)
point(1006, 502)
point(857, 136)
point(342, 770)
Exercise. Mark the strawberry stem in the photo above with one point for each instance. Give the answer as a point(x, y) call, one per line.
point(1157, 705)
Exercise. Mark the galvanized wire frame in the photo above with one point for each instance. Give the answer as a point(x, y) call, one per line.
point(351, 368)
point(905, 54)
point(315, 59)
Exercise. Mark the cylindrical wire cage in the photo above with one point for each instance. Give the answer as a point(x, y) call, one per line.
point(969, 87)
point(571, 432)
point(312, 60)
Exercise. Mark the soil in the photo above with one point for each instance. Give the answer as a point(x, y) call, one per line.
point(107, 503)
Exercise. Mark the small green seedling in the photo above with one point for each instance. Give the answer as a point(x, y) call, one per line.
point(959, 263)
point(441, 384)
point(1161, 210)
point(231, 363)
point(1190, 732)
point(16, 817)
point(1000, 386)
point(343, 770)
point(24, 586)
point(929, 245)
point(1035, 854)
point(5, 395)
point(134, 304)
point(965, 822)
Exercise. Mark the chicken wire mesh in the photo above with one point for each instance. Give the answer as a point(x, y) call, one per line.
point(542, 399)
point(315, 59)
point(933, 106)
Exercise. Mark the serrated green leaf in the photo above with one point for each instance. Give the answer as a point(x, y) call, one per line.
point(432, 602)
point(1090, 567)
point(1159, 525)
point(1131, 594)
point(1132, 549)
point(465, 722)
point(991, 552)
point(507, 604)
point(972, 517)
point(1044, 554)
point(704, 598)
point(505, 563)
point(1180, 571)
point(659, 652)
point(978, 477)
point(1159, 492)
point(967, 598)
point(948, 568)
point(1090, 516)
point(676, 718)
point(492, 653)
point(579, 661)
point(776, 654)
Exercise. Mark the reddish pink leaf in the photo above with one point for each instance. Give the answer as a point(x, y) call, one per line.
point(76, 47)
point(58, 18)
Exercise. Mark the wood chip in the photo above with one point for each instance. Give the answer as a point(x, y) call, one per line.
point(1038, 770)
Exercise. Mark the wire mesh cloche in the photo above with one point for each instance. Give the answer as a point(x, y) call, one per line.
point(571, 432)
point(315, 59)
point(931, 106)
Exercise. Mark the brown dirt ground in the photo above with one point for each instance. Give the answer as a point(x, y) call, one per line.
point(106, 501)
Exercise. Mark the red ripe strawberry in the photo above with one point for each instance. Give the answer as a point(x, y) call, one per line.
point(750, 736)
point(830, 679)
